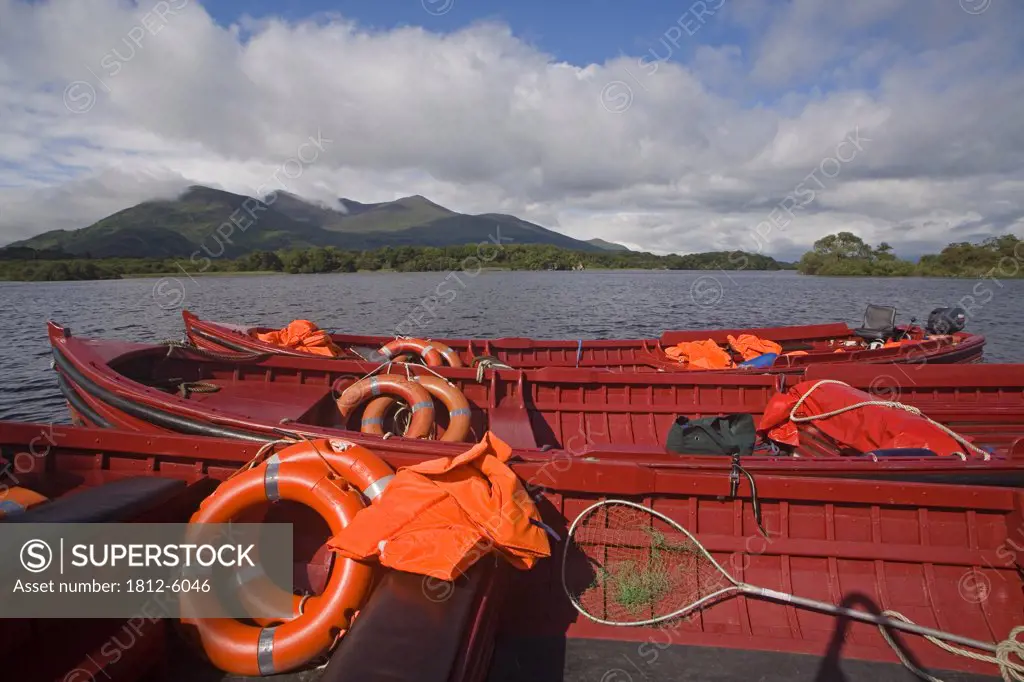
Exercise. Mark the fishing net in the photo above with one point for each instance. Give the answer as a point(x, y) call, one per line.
point(624, 566)
point(627, 564)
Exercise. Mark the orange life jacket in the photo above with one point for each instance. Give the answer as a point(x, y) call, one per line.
point(439, 517)
point(750, 346)
point(304, 336)
point(700, 355)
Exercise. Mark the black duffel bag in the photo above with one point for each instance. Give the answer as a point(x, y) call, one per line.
point(730, 435)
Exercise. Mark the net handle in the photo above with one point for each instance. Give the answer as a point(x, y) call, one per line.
point(863, 616)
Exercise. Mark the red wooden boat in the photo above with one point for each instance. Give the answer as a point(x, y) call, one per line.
point(820, 343)
point(943, 555)
point(549, 415)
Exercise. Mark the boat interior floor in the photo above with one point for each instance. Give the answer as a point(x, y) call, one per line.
point(525, 427)
point(558, 659)
point(304, 403)
point(554, 659)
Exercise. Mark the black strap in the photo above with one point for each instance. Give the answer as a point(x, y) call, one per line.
point(734, 480)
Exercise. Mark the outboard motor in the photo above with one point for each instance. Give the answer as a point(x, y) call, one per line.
point(944, 321)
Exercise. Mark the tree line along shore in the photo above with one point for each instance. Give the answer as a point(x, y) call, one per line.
point(23, 264)
point(842, 254)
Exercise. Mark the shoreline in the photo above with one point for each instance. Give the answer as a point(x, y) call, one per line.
point(277, 273)
point(379, 271)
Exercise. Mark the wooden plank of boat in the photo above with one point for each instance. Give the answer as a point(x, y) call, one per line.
point(547, 415)
point(820, 342)
point(945, 556)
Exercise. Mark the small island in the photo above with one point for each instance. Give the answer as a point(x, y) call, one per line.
point(847, 255)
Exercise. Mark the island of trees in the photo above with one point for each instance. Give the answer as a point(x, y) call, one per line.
point(846, 254)
point(21, 263)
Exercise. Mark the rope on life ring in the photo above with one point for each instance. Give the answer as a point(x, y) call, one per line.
point(459, 412)
point(415, 395)
point(241, 649)
point(433, 353)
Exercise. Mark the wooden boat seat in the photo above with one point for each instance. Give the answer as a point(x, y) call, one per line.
point(112, 502)
point(267, 403)
point(512, 425)
point(428, 627)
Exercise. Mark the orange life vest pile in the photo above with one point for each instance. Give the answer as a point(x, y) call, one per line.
point(750, 346)
point(700, 355)
point(303, 336)
point(439, 517)
point(709, 355)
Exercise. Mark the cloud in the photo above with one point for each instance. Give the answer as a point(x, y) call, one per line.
point(104, 104)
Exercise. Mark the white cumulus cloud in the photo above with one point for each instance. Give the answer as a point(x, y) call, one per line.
point(104, 104)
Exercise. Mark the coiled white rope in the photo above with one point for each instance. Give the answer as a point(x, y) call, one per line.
point(880, 403)
point(1012, 671)
point(262, 452)
point(488, 363)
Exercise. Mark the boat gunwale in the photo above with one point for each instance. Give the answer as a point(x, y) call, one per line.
point(938, 352)
point(762, 464)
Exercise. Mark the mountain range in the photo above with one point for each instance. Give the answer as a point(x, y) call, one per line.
point(230, 225)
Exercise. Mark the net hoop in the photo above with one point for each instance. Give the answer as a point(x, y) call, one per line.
point(733, 588)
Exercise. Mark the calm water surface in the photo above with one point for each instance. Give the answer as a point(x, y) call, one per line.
point(539, 304)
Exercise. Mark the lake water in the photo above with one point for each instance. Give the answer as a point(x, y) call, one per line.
point(591, 304)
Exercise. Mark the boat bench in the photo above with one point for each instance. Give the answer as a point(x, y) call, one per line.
point(112, 502)
point(26, 646)
point(416, 629)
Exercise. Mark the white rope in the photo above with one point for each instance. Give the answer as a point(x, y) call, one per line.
point(487, 363)
point(378, 368)
point(437, 374)
point(262, 452)
point(1012, 671)
point(880, 403)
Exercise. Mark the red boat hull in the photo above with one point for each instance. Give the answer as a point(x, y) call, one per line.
point(944, 556)
point(626, 355)
point(549, 415)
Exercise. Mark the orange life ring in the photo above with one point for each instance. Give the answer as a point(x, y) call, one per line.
point(449, 355)
point(16, 500)
point(242, 649)
point(459, 412)
point(360, 467)
point(414, 395)
point(434, 353)
point(422, 348)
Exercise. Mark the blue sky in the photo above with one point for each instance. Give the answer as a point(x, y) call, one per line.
point(578, 31)
point(554, 112)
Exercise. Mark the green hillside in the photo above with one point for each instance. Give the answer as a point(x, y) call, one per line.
point(394, 216)
point(607, 246)
point(201, 218)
